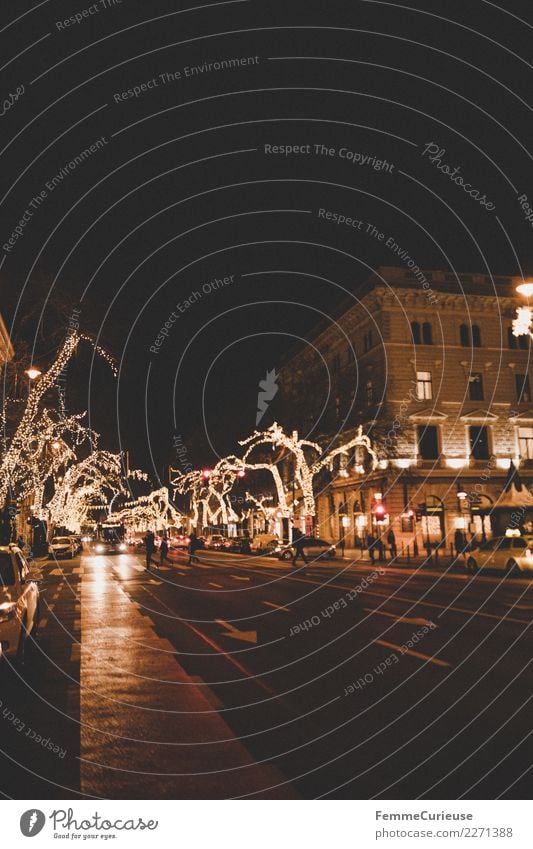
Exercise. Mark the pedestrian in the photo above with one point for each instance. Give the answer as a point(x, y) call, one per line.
point(20, 541)
point(459, 540)
point(381, 549)
point(342, 544)
point(149, 543)
point(163, 551)
point(391, 539)
point(298, 546)
point(193, 547)
point(370, 544)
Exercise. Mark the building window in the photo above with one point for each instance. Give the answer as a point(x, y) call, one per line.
point(428, 442)
point(367, 341)
point(336, 363)
point(525, 443)
point(475, 386)
point(415, 333)
point(369, 393)
point(470, 336)
point(523, 394)
point(351, 354)
point(523, 342)
point(479, 442)
point(512, 341)
point(424, 389)
point(427, 336)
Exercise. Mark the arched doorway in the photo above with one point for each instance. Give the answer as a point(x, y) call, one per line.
point(432, 522)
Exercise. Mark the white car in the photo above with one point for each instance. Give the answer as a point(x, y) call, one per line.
point(512, 554)
point(19, 603)
point(264, 543)
point(62, 547)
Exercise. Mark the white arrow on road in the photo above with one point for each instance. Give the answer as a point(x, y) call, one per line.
point(408, 619)
point(232, 631)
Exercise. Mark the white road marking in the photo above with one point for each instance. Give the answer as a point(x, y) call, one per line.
point(212, 584)
point(240, 578)
point(409, 620)
point(235, 633)
point(418, 654)
point(277, 606)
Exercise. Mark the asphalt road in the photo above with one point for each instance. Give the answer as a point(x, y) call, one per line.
point(243, 677)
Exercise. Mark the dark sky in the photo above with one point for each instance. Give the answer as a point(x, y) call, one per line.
point(181, 192)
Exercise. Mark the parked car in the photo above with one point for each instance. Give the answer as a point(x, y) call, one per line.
point(216, 541)
point(513, 554)
point(19, 603)
point(62, 547)
point(313, 549)
point(264, 544)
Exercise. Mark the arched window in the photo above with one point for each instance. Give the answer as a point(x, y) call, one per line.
point(464, 335)
point(426, 333)
point(512, 341)
point(415, 332)
point(476, 336)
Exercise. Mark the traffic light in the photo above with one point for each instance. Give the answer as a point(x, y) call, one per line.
point(380, 512)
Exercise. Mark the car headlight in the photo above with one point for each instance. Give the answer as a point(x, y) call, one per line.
point(8, 611)
point(99, 548)
point(122, 547)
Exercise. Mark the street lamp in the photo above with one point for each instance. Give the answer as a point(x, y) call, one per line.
point(33, 372)
point(522, 324)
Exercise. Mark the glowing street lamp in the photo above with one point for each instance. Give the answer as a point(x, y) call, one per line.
point(33, 372)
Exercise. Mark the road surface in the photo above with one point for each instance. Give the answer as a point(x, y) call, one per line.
point(246, 677)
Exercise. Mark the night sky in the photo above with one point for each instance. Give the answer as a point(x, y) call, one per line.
point(180, 209)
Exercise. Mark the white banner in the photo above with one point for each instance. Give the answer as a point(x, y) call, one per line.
point(256, 825)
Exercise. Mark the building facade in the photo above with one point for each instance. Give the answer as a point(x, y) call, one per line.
point(427, 363)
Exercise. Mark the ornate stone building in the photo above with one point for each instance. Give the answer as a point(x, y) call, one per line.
point(427, 363)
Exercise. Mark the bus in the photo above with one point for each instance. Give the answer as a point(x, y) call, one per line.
point(110, 538)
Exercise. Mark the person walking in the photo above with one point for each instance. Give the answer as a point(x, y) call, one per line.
point(391, 539)
point(342, 544)
point(298, 546)
point(460, 544)
point(370, 544)
point(193, 547)
point(149, 543)
point(163, 551)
